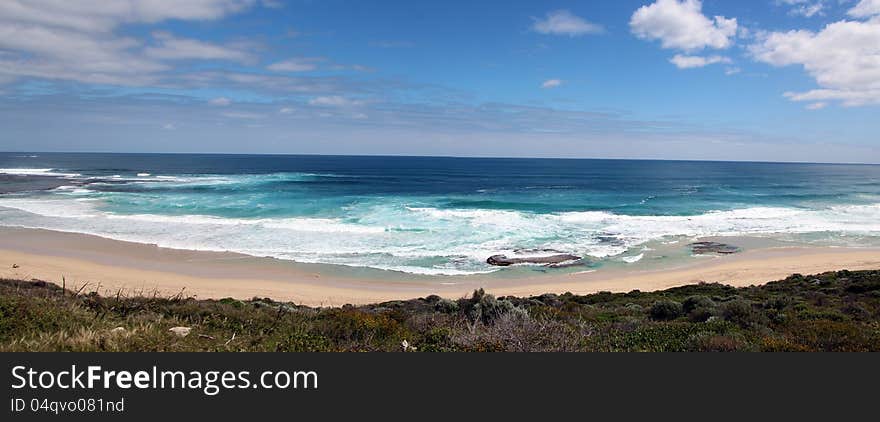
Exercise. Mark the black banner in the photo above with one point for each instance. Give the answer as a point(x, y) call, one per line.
point(414, 385)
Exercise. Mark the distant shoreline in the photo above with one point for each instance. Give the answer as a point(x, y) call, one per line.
point(106, 265)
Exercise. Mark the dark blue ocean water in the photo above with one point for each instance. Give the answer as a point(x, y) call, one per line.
point(428, 214)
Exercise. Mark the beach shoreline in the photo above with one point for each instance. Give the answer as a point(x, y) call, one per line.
point(111, 266)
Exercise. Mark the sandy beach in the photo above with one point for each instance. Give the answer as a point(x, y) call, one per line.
point(111, 266)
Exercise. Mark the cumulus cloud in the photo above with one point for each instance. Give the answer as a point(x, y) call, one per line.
point(687, 62)
point(865, 8)
point(551, 83)
point(843, 58)
point(682, 25)
point(563, 22)
point(301, 64)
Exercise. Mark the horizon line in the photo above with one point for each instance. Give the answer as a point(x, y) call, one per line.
point(448, 156)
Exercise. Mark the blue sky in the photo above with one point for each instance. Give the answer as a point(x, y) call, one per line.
point(782, 80)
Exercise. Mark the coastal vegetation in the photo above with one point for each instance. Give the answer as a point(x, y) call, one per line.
point(834, 311)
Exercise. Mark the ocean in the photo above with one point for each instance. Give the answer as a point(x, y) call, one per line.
point(435, 215)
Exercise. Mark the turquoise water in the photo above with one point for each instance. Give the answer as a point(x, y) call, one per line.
point(433, 215)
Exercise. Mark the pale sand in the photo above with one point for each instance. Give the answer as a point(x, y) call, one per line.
point(108, 266)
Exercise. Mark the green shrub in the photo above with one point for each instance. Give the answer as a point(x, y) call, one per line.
point(697, 301)
point(743, 313)
point(446, 306)
point(701, 314)
point(486, 308)
point(666, 310)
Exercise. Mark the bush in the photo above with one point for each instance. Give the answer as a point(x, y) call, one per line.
point(857, 312)
point(715, 343)
point(701, 314)
point(446, 306)
point(695, 302)
point(666, 310)
point(742, 313)
point(778, 302)
point(486, 308)
point(633, 308)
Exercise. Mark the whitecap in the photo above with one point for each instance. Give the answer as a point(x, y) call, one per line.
point(37, 172)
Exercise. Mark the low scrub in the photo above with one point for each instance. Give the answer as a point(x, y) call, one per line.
point(835, 311)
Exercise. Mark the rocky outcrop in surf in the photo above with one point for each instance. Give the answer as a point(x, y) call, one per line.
point(553, 260)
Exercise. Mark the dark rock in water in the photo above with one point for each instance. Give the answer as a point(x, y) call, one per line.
point(503, 261)
point(701, 248)
point(536, 250)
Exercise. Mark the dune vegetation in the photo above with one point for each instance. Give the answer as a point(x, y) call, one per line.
point(835, 311)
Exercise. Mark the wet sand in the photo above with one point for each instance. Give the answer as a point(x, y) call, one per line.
point(111, 266)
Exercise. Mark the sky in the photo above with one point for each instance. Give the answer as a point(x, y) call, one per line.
point(765, 80)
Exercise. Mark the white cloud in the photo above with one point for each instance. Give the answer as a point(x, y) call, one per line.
point(302, 64)
point(816, 106)
point(805, 8)
point(732, 71)
point(77, 41)
point(243, 115)
point(682, 25)
point(170, 47)
point(220, 101)
point(563, 22)
point(286, 110)
point(688, 62)
point(865, 8)
point(551, 83)
point(843, 58)
point(105, 15)
point(333, 101)
point(58, 53)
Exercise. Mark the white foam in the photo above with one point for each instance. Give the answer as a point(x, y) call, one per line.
point(325, 225)
point(58, 208)
point(633, 259)
point(422, 239)
point(143, 174)
point(37, 172)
